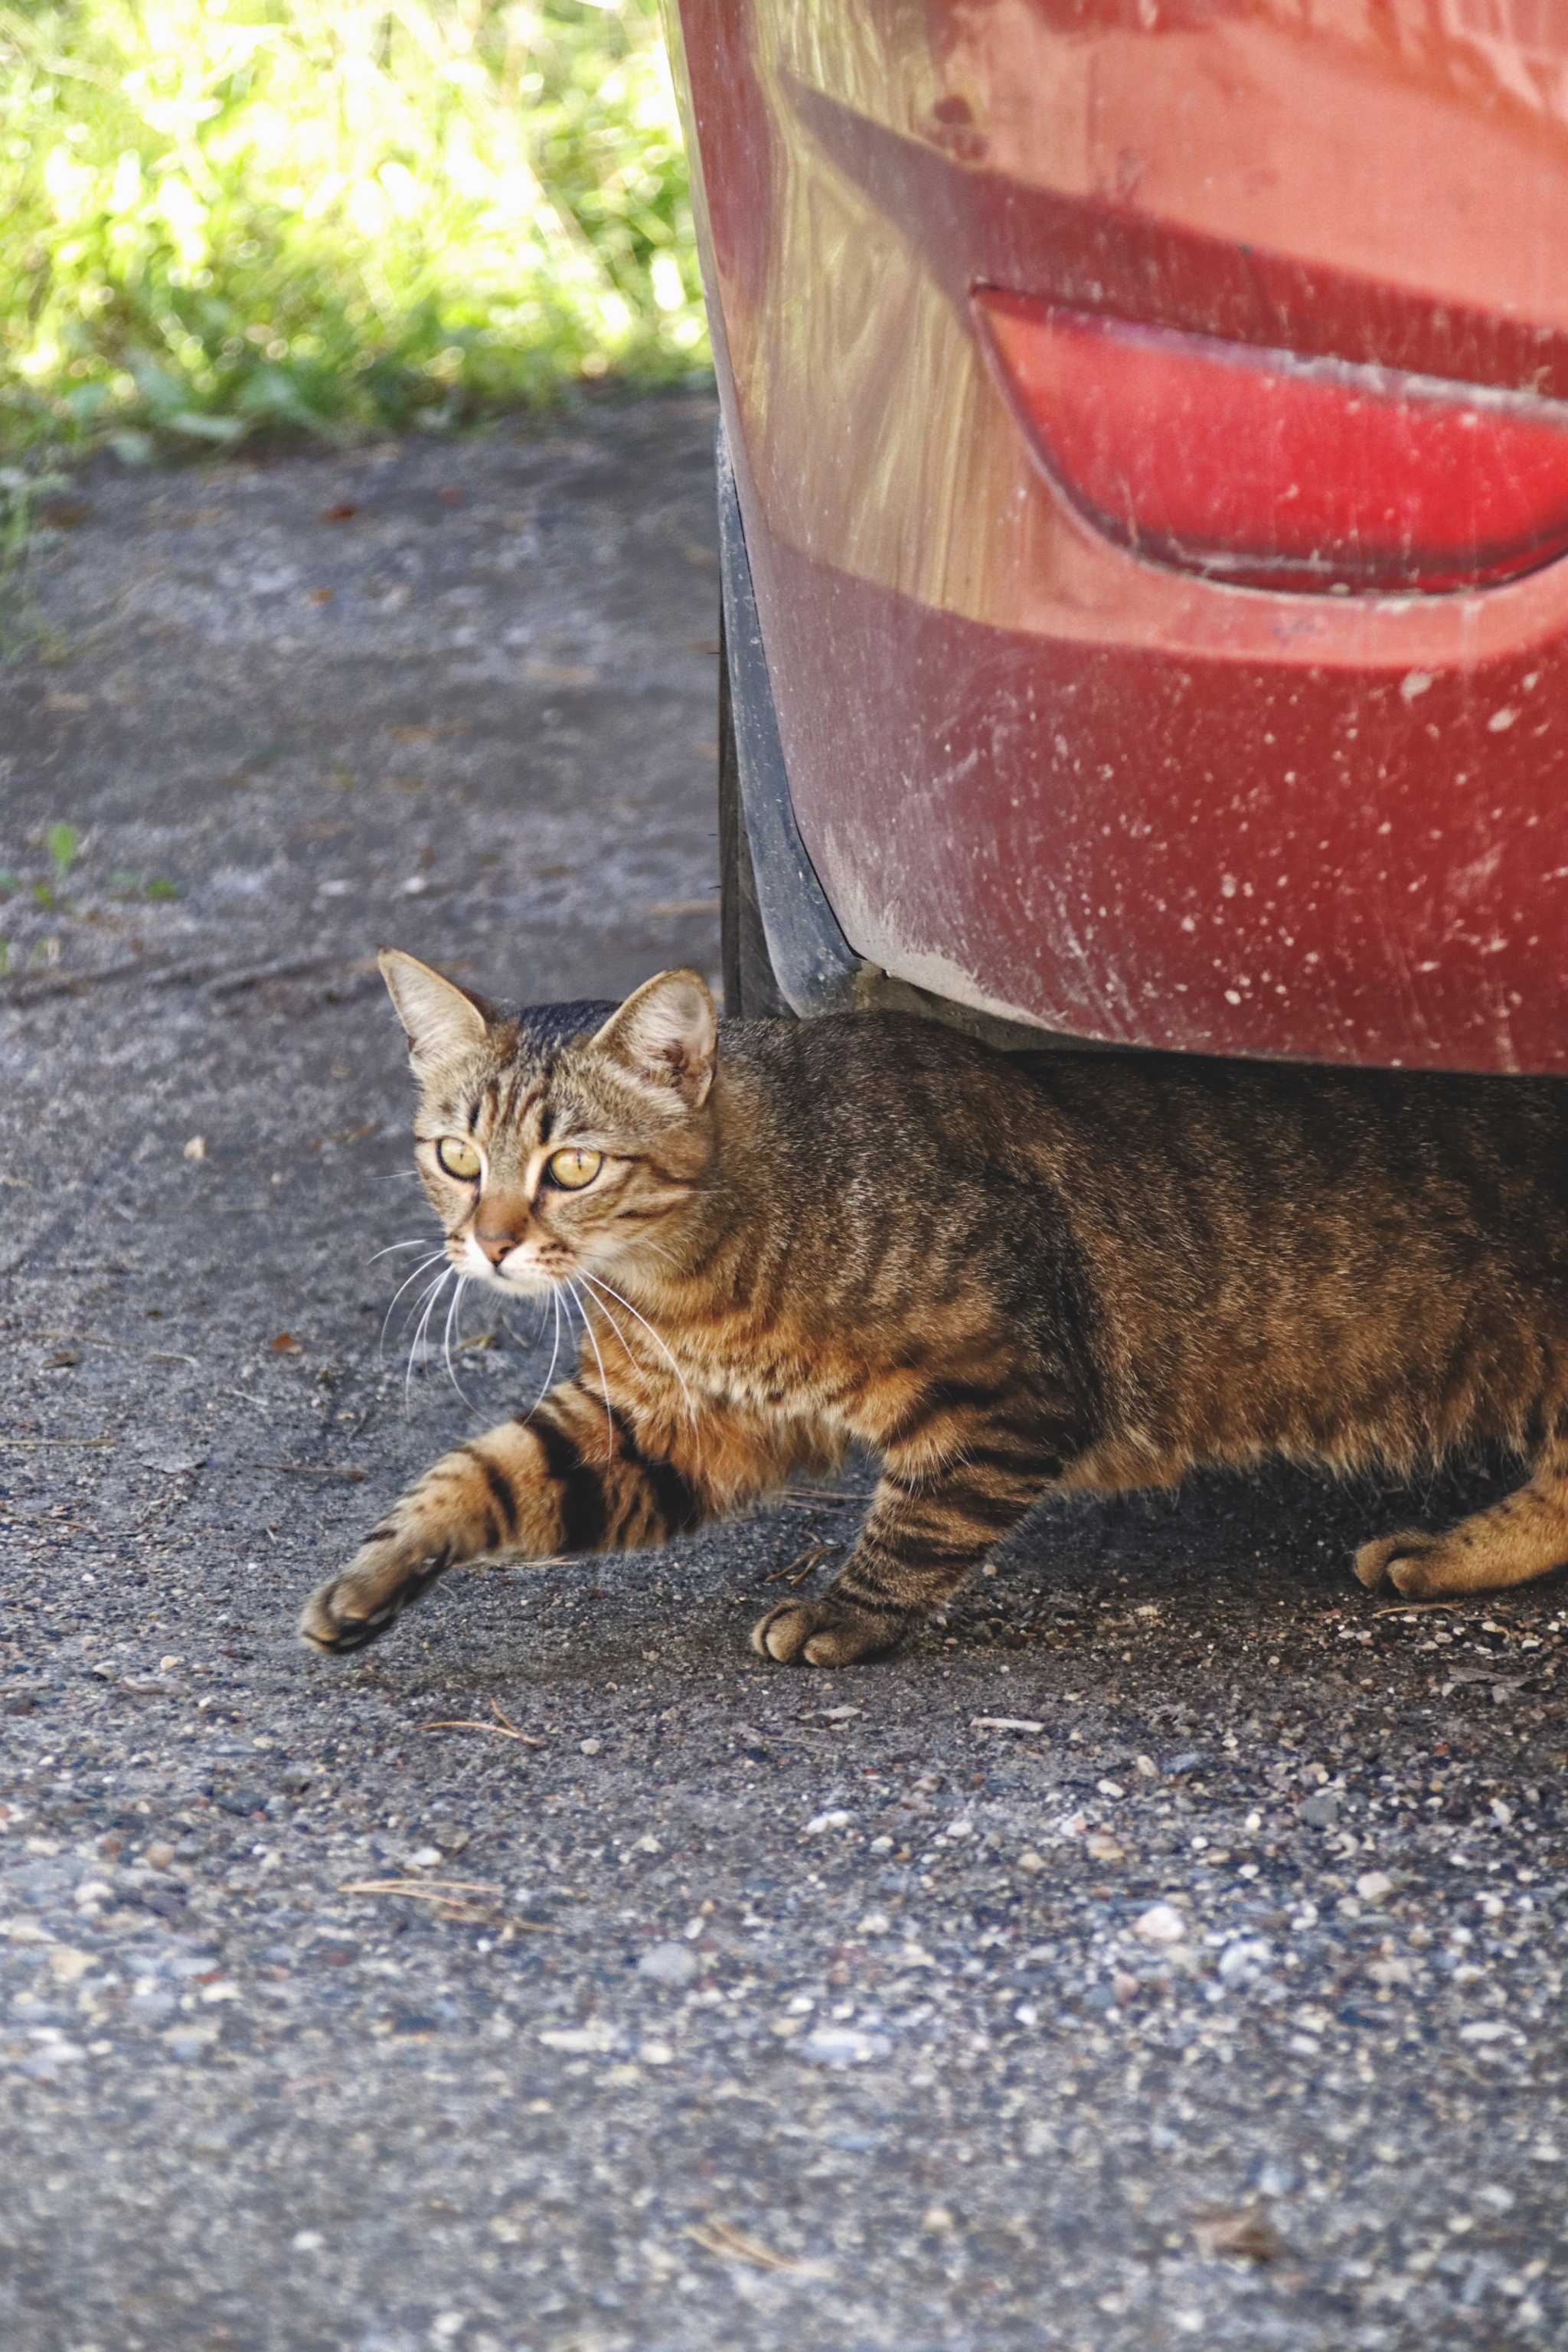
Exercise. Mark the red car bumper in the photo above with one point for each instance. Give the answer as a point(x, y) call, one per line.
point(1038, 770)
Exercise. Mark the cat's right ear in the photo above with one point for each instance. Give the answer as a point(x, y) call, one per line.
point(441, 1020)
point(667, 1035)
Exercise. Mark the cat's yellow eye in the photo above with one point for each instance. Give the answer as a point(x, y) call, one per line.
point(457, 1156)
point(573, 1169)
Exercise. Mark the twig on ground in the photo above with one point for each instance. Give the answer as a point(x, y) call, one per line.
point(1417, 1608)
point(502, 1727)
point(29, 1444)
point(721, 2238)
point(453, 1895)
point(452, 1906)
point(350, 1476)
point(800, 1567)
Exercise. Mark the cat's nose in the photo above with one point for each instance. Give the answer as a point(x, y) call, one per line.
point(495, 1245)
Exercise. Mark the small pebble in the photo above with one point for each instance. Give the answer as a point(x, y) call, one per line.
point(590, 1747)
point(670, 1964)
point(842, 2045)
point(1160, 1924)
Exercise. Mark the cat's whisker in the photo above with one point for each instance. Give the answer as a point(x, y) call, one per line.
point(625, 1343)
point(554, 1352)
point(433, 1293)
point(422, 1243)
point(614, 1326)
point(604, 1381)
point(456, 1301)
point(644, 1242)
point(433, 1259)
point(656, 1337)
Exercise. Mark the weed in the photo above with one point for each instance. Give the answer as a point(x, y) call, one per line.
point(21, 492)
point(271, 216)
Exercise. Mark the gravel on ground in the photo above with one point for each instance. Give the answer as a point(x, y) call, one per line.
point(1166, 1950)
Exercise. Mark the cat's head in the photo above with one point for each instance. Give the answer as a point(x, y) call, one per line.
point(546, 1156)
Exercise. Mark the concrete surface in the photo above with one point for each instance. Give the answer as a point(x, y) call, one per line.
point(699, 2006)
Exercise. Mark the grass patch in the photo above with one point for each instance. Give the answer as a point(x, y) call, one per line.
point(331, 217)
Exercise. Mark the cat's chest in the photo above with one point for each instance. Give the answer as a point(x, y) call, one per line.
point(759, 1376)
point(777, 1368)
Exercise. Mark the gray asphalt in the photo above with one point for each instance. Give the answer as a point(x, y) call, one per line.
point(1167, 1950)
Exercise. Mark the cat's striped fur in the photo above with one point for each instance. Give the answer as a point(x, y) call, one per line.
point(1003, 1274)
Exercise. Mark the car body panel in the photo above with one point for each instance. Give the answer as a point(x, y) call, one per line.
point(1036, 772)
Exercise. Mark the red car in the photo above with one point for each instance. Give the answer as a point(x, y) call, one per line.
point(1144, 597)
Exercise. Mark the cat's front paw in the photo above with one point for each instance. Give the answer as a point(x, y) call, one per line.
point(351, 1610)
point(825, 1633)
point(1397, 1560)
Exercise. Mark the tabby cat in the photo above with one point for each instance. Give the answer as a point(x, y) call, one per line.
point(1008, 1275)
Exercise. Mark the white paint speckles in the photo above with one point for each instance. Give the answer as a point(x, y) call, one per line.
point(1502, 721)
point(1414, 683)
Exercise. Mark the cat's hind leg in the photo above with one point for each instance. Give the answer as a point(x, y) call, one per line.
point(1524, 1535)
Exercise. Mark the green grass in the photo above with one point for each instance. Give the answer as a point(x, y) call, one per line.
point(330, 218)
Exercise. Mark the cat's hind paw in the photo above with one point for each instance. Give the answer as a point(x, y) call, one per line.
point(825, 1633)
point(1398, 1560)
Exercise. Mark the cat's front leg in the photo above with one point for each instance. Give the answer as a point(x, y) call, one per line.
point(569, 1478)
point(931, 1523)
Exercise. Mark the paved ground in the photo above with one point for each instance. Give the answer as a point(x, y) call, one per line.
point(561, 1977)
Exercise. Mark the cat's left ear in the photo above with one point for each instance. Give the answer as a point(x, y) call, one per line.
point(667, 1035)
point(439, 1019)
